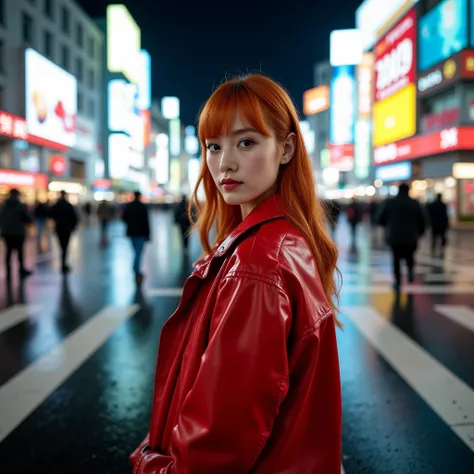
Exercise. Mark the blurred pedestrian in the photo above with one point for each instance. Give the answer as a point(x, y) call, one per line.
point(66, 219)
point(333, 210)
point(88, 211)
point(105, 213)
point(181, 218)
point(354, 217)
point(404, 222)
point(14, 217)
point(439, 222)
point(41, 214)
point(137, 221)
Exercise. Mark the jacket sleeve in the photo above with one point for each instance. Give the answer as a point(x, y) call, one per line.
point(228, 415)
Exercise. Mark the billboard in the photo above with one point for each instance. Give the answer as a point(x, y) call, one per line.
point(375, 17)
point(342, 157)
point(395, 77)
point(345, 48)
point(450, 139)
point(316, 100)
point(51, 100)
point(365, 86)
point(395, 58)
point(438, 77)
point(443, 32)
point(144, 83)
point(123, 43)
point(343, 103)
point(394, 172)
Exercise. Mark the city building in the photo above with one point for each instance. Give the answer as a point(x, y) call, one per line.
point(424, 94)
point(50, 98)
point(126, 117)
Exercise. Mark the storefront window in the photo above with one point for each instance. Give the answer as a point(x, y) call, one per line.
point(30, 160)
point(466, 199)
point(5, 156)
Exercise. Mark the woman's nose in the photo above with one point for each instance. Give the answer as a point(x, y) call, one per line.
point(227, 162)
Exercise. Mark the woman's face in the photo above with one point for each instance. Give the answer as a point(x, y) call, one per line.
point(245, 164)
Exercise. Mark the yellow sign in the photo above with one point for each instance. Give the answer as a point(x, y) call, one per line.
point(123, 43)
point(395, 117)
point(449, 69)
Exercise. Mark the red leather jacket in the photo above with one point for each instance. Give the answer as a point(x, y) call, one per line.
point(247, 379)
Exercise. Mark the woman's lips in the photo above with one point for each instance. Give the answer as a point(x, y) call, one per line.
point(231, 186)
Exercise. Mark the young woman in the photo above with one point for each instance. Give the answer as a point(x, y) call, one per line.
point(247, 379)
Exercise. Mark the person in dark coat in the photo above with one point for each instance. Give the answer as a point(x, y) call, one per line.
point(136, 219)
point(181, 218)
point(14, 217)
point(41, 214)
point(404, 222)
point(66, 220)
point(354, 217)
point(333, 211)
point(439, 221)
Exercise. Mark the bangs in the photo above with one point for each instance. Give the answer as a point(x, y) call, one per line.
point(219, 112)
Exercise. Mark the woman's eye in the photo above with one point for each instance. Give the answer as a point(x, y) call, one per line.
point(213, 147)
point(246, 143)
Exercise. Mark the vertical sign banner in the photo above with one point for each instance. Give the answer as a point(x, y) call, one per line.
point(365, 85)
point(395, 89)
point(342, 111)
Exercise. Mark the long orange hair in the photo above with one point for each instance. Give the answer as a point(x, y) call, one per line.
point(264, 103)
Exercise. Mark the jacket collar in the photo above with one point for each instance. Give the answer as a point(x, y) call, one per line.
point(269, 209)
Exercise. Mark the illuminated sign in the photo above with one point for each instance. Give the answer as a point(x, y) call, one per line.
point(395, 91)
point(342, 157)
point(123, 43)
point(13, 126)
point(461, 65)
point(395, 58)
point(19, 179)
point(463, 170)
point(456, 138)
point(316, 100)
point(443, 32)
point(143, 101)
point(365, 84)
point(443, 119)
point(102, 184)
point(51, 100)
point(57, 164)
point(395, 117)
point(162, 159)
point(375, 17)
point(362, 149)
point(175, 137)
point(170, 108)
point(345, 47)
point(343, 103)
point(119, 155)
point(396, 172)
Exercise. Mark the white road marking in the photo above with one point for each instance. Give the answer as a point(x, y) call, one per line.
point(409, 289)
point(164, 292)
point(15, 315)
point(445, 393)
point(462, 315)
point(22, 394)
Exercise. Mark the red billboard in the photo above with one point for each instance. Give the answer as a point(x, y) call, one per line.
point(395, 58)
point(450, 139)
point(342, 156)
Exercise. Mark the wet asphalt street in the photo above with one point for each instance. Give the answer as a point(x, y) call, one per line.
point(77, 355)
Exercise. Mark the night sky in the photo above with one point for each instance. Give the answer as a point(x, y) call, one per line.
point(196, 45)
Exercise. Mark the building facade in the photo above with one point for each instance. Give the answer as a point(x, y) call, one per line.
point(57, 40)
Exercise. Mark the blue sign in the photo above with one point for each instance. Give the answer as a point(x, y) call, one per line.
point(443, 32)
point(343, 105)
point(395, 172)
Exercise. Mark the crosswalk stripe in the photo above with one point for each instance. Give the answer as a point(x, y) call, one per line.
point(21, 395)
point(15, 315)
point(462, 315)
point(410, 289)
point(445, 393)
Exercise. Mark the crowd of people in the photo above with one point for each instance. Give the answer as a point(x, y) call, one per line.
point(16, 219)
point(404, 221)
